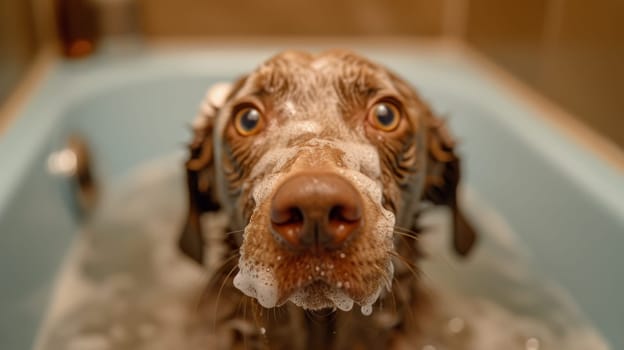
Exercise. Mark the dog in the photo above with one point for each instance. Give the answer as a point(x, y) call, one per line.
point(322, 164)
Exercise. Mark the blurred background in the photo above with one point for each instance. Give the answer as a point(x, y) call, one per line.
point(571, 51)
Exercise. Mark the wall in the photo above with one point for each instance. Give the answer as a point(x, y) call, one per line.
point(292, 17)
point(572, 51)
point(17, 42)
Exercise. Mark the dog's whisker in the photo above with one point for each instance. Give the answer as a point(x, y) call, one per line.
point(218, 272)
point(240, 307)
point(225, 279)
point(244, 334)
point(413, 251)
point(384, 275)
point(234, 232)
point(393, 294)
point(405, 229)
point(408, 235)
point(413, 233)
point(410, 266)
point(406, 304)
point(216, 275)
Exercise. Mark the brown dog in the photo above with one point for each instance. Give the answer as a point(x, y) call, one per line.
point(322, 164)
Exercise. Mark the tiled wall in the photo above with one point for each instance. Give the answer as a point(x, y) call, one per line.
point(291, 17)
point(570, 50)
point(17, 42)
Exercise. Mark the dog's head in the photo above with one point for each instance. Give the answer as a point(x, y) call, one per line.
point(317, 159)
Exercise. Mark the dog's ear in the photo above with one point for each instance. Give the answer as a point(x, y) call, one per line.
point(200, 172)
point(443, 175)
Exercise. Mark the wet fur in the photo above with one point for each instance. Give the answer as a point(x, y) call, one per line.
point(417, 165)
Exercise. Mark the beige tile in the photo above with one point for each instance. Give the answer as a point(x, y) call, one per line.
point(495, 22)
point(595, 23)
point(583, 64)
point(291, 17)
point(510, 32)
point(17, 43)
point(572, 51)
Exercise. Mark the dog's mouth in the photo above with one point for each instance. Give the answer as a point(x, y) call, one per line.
point(316, 284)
point(321, 293)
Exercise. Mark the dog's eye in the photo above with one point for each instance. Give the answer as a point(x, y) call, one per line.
point(248, 121)
point(384, 116)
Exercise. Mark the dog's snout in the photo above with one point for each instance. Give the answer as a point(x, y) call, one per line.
point(316, 211)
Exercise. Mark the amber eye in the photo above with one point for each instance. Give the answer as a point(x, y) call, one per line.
point(248, 121)
point(384, 116)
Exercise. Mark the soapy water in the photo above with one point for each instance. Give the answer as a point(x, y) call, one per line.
point(124, 285)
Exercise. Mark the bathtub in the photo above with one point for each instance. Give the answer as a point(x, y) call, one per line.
point(565, 203)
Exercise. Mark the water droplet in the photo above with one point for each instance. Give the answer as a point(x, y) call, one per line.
point(532, 344)
point(317, 268)
point(339, 285)
point(262, 330)
point(343, 255)
point(279, 257)
point(456, 325)
point(367, 310)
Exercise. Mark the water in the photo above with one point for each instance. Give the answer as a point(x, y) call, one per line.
point(124, 285)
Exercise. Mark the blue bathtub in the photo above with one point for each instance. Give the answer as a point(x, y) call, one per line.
point(566, 205)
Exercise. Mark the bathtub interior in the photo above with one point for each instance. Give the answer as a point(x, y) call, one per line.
point(571, 234)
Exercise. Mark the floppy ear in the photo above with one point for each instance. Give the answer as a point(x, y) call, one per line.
point(443, 175)
point(200, 172)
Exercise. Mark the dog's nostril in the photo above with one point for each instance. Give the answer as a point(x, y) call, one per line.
point(344, 220)
point(287, 223)
point(291, 215)
point(342, 213)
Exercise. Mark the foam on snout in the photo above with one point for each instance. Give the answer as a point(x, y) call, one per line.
point(257, 282)
point(273, 161)
point(265, 188)
point(360, 157)
point(340, 299)
point(335, 295)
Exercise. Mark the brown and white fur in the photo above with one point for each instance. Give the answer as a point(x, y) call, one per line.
point(315, 113)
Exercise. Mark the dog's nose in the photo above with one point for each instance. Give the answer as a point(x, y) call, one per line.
point(316, 211)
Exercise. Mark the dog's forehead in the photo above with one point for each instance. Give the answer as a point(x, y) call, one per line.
point(298, 74)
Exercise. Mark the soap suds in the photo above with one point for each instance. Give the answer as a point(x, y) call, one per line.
point(302, 298)
point(257, 282)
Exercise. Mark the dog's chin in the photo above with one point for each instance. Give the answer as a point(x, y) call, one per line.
point(320, 295)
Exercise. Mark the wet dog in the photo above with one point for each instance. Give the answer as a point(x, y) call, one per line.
point(321, 164)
